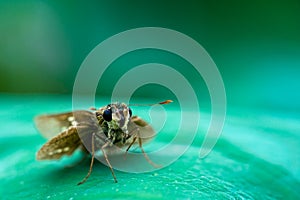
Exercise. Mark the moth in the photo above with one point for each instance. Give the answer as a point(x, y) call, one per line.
point(92, 131)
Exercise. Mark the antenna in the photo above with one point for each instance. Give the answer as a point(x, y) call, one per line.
point(154, 104)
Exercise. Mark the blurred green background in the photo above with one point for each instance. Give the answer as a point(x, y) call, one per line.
point(255, 44)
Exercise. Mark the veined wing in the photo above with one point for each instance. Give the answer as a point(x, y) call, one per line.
point(80, 127)
point(63, 144)
point(146, 132)
point(52, 125)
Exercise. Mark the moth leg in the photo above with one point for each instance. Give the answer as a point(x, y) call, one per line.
point(107, 161)
point(92, 162)
point(133, 141)
point(146, 156)
point(137, 136)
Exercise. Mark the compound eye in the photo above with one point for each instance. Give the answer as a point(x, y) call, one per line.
point(130, 112)
point(107, 115)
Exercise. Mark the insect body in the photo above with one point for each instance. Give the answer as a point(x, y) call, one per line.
point(92, 131)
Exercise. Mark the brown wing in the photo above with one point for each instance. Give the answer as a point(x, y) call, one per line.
point(63, 144)
point(146, 132)
point(51, 125)
point(74, 128)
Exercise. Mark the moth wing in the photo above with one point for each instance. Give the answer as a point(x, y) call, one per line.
point(63, 144)
point(81, 126)
point(87, 125)
point(51, 125)
point(146, 132)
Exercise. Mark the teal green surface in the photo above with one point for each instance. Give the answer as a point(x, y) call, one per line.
point(257, 157)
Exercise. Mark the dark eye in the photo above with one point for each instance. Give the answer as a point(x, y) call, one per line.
point(130, 112)
point(107, 115)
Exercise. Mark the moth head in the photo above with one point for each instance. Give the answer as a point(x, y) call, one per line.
point(117, 115)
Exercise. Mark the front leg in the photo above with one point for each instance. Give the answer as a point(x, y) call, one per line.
point(136, 136)
point(136, 129)
point(92, 162)
point(108, 144)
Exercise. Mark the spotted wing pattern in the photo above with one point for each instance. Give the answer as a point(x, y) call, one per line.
point(52, 125)
point(63, 144)
point(68, 129)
